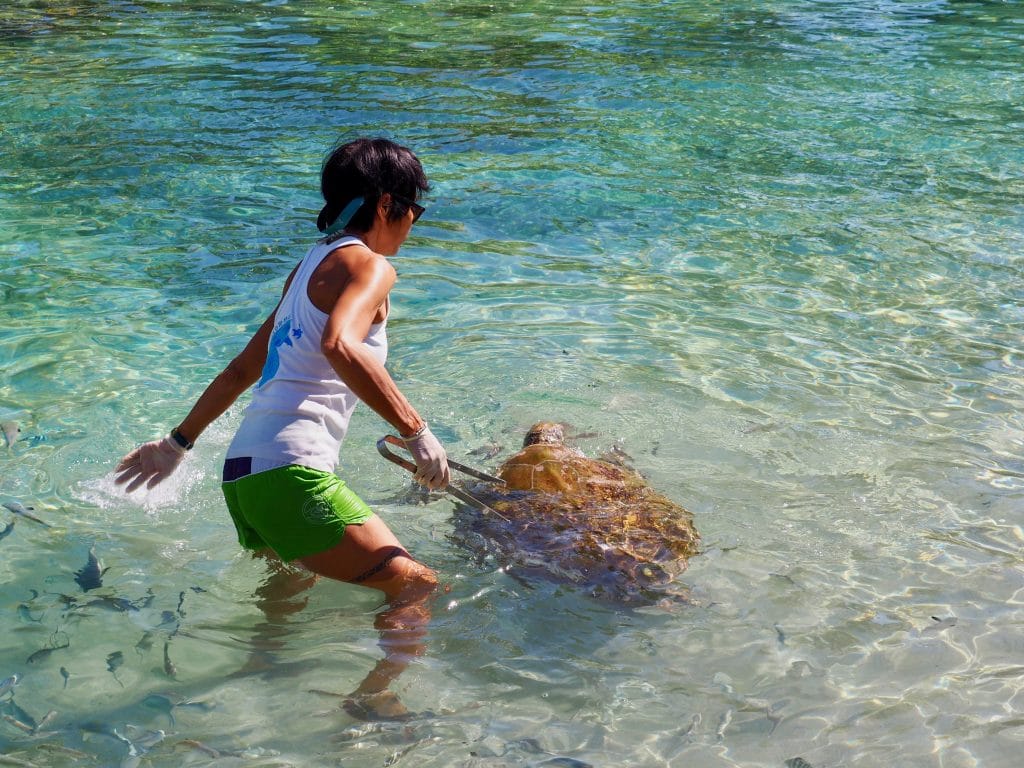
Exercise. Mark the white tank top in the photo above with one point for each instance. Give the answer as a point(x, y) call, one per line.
point(300, 407)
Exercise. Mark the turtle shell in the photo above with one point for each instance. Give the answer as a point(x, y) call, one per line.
point(588, 521)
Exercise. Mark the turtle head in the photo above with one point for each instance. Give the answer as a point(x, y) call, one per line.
point(544, 433)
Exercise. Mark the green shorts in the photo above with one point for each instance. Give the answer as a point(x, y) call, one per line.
point(296, 511)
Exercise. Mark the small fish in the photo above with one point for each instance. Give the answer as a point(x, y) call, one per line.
point(143, 738)
point(7, 531)
point(17, 761)
point(11, 430)
point(26, 614)
point(723, 724)
point(616, 455)
point(9, 684)
point(90, 576)
point(695, 722)
point(114, 662)
point(169, 669)
point(57, 641)
point(206, 749)
point(20, 509)
point(19, 715)
point(46, 719)
point(198, 745)
point(19, 724)
point(145, 643)
point(161, 703)
point(108, 730)
point(201, 706)
point(169, 621)
point(44, 653)
point(946, 623)
point(780, 635)
point(101, 729)
point(66, 675)
point(108, 603)
point(39, 655)
point(62, 750)
point(487, 451)
point(530, 746)
point(797, 762)
point(181, 601)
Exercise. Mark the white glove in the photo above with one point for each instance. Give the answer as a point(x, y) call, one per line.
point(150, 463)
point(431, 460)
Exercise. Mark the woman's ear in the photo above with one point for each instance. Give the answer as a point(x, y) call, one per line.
point(384, 205)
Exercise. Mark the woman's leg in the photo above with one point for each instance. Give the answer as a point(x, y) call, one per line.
point(371, 555)
point(297, 509)
point(279, 596)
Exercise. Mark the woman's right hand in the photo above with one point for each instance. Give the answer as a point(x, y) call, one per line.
point(431, 459)
point(150, 463)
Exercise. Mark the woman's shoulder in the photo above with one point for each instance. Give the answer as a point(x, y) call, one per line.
point(358, 259)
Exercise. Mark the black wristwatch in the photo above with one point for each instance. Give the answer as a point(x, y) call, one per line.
point(181, 440)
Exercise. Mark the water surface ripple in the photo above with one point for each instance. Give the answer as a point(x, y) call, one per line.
point(770, 249)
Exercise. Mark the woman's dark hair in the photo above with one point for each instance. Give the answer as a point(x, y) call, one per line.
point(368, 168)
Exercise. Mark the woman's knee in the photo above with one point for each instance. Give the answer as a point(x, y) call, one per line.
point(409, 581)
point(370, 555)
point(424, 579)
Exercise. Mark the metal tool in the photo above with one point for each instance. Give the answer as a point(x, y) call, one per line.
point(394, 458)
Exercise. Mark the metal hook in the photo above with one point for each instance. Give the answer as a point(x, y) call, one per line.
point(394, 458)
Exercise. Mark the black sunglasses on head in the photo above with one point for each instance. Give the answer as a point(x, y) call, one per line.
point(417, 209)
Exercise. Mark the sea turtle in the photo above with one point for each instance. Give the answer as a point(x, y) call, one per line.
point(591, 522)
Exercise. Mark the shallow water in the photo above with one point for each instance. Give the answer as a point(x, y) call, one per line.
point(771, 250)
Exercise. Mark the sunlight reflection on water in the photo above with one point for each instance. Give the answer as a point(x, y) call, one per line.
point(770, 250)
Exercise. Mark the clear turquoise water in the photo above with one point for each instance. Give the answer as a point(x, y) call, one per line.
point(772, 250)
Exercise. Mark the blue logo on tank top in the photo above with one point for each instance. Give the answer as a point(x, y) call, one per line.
point(280, 337)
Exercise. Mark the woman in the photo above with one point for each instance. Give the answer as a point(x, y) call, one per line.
point(320, 351)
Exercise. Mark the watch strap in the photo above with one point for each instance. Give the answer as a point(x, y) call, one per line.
point(181, 440)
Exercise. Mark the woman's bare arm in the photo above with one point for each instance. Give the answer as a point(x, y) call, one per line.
point(240, 374)
point(370, 279)
point(153, 462)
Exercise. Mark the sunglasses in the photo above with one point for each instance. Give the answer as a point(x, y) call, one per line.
point(417, 209)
